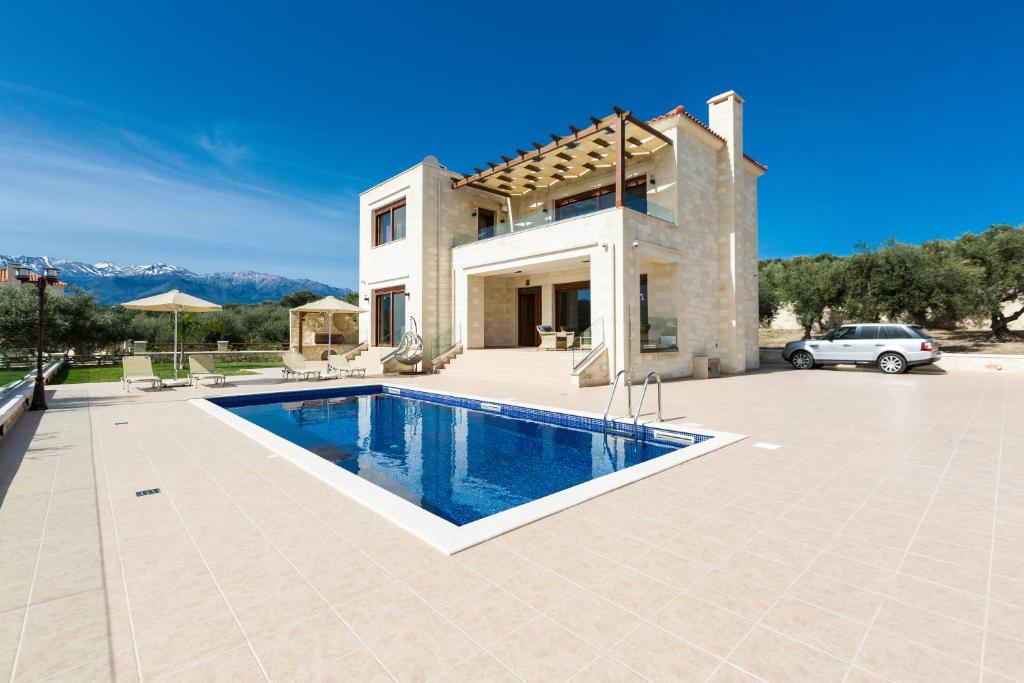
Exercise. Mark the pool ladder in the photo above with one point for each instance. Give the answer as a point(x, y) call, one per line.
point(629, 398)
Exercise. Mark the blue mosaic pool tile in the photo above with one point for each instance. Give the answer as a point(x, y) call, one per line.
point(592, 424)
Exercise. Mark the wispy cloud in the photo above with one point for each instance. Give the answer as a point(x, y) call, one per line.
point(132, 198)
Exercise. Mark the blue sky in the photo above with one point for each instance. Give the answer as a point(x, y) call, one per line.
point(236, 137)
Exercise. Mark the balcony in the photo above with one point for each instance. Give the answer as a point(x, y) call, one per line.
point(542, 219)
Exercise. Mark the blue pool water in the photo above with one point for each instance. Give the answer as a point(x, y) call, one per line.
point(459, 462)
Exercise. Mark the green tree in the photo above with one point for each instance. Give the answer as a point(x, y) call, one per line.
point(813, 287)
point(999, 255)
point(299, 298)
point(770, 290)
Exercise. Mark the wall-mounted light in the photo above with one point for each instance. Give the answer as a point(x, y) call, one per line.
point(473, 214)
point(653, 181)
point(366, 298)
point(407, 294)
point(635, 243)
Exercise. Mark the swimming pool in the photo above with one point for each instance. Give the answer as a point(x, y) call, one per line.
point(455, 470)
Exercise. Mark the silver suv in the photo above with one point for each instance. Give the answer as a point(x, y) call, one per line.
point(893, 348)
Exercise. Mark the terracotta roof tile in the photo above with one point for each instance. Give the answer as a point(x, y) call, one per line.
point(680, 110)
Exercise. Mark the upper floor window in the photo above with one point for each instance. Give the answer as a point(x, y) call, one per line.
point(484, 224)
point(602, 198)
point(389, 223)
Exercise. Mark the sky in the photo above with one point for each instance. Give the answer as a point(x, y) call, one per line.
point(237, 136)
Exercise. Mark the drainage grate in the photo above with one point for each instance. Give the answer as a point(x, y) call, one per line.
point(122, 422)
point(147, 492)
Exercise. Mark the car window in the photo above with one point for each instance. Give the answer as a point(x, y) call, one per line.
point(844, 332)
point(869, 332)
point(896, 332)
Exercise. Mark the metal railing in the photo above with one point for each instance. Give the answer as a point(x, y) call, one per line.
point(611, 395)
point(643, 393)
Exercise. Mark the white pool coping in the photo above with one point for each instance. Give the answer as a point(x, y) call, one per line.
point(447, 537)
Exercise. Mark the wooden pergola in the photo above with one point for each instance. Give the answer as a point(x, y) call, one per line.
point(605, 144)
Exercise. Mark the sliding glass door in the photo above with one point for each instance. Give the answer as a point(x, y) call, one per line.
point(389, 316)
point(572, 306)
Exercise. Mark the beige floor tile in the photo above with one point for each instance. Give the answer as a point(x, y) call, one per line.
point(580, 566)
point(706, 625)
point(668, 568)
point(236, 664)
point(423, 650)
point(1010, 591)
point(479, 667)
point(10, 631)
point(538, 587)
point(658, 655)
point(163, 653)
point(444, 583)
point(279, 610)
point(358, 666)
point(398, 553)
point(489, 614)
point(834, 596)
point(827, 631)
point(543, 651)
point(954, 576)
point(492, 560)
point(898, 659)
point(607, 670)
point(593, 618)
point(741, 597)
point(304, 645)
point(635, 592)
point(774, 657)
point(378, 613)
point(1004, 655)
point(728, 673)
point(941, 633)
point(1005, 619)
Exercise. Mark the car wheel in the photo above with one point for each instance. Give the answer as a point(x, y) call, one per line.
point(801, 360)
point(892, 363)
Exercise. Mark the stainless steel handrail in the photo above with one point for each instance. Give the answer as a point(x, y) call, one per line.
point(611, 395)
point(640, 406)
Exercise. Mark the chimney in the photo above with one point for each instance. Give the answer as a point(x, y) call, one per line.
point(725, 117)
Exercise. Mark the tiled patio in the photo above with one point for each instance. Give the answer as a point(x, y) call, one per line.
point(884, 540)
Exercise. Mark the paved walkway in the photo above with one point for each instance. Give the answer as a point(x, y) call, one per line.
point(884, 540)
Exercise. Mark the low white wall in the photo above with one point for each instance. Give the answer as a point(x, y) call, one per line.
point(16, 400)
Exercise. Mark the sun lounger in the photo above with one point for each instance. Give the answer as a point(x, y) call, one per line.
point(339, 365)
point(138, 369)
point(295, 367)
point(203, 367)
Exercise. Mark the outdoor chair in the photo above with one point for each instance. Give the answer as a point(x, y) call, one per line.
point(203, 367)
point(138, 369)
point(548, 338)
point(295, 367)
point(570, 338)
point(339, 365)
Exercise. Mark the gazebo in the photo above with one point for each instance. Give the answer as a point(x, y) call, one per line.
point(325, 309)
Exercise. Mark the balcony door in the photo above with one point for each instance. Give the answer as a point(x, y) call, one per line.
point(389, 316)
point(572, 306)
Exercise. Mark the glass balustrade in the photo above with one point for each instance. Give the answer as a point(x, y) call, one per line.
point(586, 341)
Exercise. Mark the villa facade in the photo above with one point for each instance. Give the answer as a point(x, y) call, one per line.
point(639, 237)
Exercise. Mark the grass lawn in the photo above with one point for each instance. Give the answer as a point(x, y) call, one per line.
point(12, 375)
point(112, 373)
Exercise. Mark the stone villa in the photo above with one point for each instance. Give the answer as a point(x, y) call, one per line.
point(638, 237)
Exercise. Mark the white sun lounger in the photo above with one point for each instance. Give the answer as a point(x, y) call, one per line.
point(138, 369)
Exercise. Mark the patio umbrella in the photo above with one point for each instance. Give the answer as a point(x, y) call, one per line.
point(173, 301)
point(329, 306)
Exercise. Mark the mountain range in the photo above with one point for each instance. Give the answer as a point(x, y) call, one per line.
point(112, 283)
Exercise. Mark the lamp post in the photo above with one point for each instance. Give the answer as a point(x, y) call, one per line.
point(49, 277)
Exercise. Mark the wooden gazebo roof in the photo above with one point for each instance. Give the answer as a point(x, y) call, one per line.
point(606, 143)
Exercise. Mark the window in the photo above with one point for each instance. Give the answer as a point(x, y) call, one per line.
point(869, 332)
point(572, 307)
point(896, 332)
point(484, 224)
point(657, 333)
point(389, 223)
point(602, 198)
point(844, 332)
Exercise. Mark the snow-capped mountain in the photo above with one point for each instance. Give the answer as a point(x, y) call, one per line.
point(113, 283)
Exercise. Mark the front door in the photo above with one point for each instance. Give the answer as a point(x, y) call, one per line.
point(529, 316)
point(389, 316)
point(836, 346)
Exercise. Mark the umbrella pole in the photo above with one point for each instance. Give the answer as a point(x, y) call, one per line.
point(330, 325)
point(174, 355)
